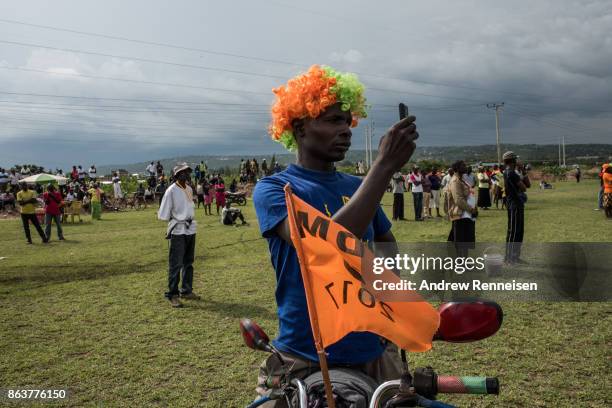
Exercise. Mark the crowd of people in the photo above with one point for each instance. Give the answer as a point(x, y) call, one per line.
point(429, 190)
point(250, 170)
point(41, 204)
point(461, 193)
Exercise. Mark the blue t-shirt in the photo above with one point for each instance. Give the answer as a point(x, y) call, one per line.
point(327, 192)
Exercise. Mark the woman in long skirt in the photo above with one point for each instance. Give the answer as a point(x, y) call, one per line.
point(220, 194)
point(484, 186)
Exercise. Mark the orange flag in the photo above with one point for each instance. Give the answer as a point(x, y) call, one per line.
point(338, 301)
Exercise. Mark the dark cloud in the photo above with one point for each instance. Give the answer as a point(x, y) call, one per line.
point(549, 61)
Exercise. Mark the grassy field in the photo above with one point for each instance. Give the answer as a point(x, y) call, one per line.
point(88, 314)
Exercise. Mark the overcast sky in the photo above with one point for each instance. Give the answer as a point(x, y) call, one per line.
point(208, 91)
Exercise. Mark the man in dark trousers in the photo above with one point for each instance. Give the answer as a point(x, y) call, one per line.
point(53, 205)
point(516, 183)
point(397, 182)
point(177, 208)
point(27, 201)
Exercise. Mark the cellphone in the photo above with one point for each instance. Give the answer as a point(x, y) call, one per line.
point(403, 111)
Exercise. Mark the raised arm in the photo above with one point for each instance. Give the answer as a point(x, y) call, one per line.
point(395, 149)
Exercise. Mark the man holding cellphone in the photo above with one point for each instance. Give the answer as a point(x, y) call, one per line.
point(313, 115)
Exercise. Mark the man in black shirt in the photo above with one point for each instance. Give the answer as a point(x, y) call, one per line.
point(516, 183)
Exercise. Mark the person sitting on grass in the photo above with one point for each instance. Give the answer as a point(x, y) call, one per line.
point(229, 215)
point(7, 199)
point(545, 185)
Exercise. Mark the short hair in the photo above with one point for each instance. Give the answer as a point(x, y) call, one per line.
point(456, 165)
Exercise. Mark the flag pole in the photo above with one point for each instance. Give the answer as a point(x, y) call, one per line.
point(312, 311)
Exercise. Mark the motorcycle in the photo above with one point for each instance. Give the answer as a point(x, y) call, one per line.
point(238, 197)
point(460, 322)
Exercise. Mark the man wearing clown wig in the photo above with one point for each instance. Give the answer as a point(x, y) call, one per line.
point(313, 115)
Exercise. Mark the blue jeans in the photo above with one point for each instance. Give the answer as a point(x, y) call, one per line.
point(48, 219)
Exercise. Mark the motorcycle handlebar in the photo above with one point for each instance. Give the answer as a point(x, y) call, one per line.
point(467, 385)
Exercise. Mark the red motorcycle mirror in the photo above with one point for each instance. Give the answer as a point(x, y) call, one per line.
point(462, 322)
point(254, 336)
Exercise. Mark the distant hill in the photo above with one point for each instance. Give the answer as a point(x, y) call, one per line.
point(576, 153)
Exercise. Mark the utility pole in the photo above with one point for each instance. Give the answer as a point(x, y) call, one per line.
point(564, 151)
point(367, 144)
point(559, 152)
point(497, 106)
point(371, 137)
point(368, 152)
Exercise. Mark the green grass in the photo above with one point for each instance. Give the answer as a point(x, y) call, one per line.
point(88, 314)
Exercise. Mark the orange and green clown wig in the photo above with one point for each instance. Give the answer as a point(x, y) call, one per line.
point(309, 94)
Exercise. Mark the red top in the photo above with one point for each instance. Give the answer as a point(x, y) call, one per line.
point(51, 205)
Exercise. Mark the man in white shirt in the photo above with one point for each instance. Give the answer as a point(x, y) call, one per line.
point(93, 173)
point(397, 182)
point(117, 186)
point(447, 178)
point(70, 197)
point(417, 193)
point(151, 169)
point(4, 177)
point(82, 174)
point(177, 208)
point(229, 215)
point(14, 178)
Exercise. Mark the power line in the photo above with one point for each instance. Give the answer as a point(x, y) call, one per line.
point(267, 105)
point(153, 61)
point(146, 108)
point(41, 71)
point(123, 108)
point(130, 99)
point(267, 60)
point(114, 125)
point(123, 138)
point(237, 91)
point(158, 44)
point(562, 122)
point(552, 122)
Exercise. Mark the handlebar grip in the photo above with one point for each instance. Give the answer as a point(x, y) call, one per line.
point(468, 385)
